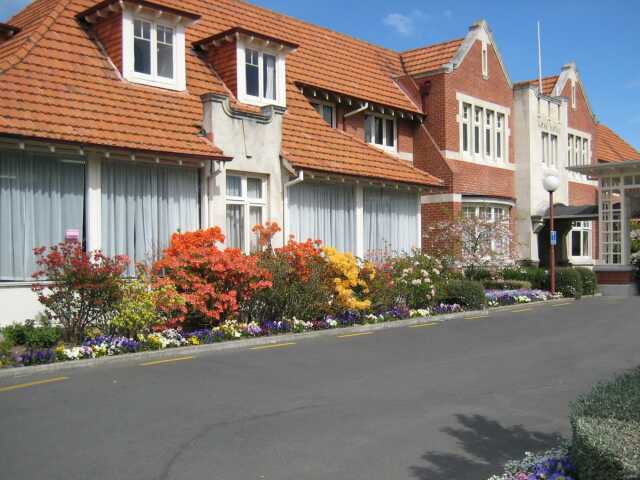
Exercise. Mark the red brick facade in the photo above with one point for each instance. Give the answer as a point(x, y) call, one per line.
point(223, 59)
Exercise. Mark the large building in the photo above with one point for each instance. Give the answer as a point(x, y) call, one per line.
point(124, 121)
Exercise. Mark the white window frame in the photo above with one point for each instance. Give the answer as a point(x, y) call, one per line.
point(321, 104)
point(493, 209)
point(466, 112)
point(385, 133)
point(549, 149)
point(578, 153)
point(243, 43)
point(496, 111)
point(247, 203)
point(178, 82)
point(585, 228)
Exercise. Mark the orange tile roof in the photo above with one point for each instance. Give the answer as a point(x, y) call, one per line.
point(432, 57)
point(58, 85)
point(547, 84)
point(612, 148)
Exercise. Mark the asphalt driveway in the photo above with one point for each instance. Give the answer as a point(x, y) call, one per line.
point(451, 401)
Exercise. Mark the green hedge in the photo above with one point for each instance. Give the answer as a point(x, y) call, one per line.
point(589, 280)
point(506, 284)
point(569, 282)
point(606, 430)
point(537, 277)
point(467, 293)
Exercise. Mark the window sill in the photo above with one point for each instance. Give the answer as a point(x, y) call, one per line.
point(150, 82)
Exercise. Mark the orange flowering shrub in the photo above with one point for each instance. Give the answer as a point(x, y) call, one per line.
point(213, 282)
point(266, 233)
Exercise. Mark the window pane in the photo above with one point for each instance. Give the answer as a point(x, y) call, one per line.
point(40, 199)
point(255, 218)
point(575, 244)
point(269, 76)
point(234, 186)
point(316, 106)
point(165, 51)
point(252, 72)
point(465, 137)
point(327, 114)
point(499, 144)
point(379, 130)
point(235, 226)
point(390, 133)
point(368, 128)
point(254, 188)
point(586, 240)
point(142, 47)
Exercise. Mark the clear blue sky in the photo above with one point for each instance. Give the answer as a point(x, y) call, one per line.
point(601, 36)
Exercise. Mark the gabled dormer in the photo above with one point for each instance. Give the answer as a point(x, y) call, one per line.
point(145, 41)
point(251, 64)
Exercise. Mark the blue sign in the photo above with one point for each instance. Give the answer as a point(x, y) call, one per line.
point(554, 238)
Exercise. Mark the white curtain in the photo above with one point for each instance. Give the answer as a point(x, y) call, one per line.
point(323, 212)
point(235, 226)
point(143, 205)
point(41, 197)
point(390, 221)
point(269, 76)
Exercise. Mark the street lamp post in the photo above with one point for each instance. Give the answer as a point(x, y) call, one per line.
point(551, 184)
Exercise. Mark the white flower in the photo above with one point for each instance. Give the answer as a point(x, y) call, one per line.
point(416, 282)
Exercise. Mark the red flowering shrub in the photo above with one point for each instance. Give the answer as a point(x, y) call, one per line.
point(266, 233)
point(302, 281)
point(213, 282)
point(85, 288)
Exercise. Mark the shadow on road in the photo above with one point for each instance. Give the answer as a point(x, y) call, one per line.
point(487, 445)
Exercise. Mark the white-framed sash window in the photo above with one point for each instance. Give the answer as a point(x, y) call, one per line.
point(483, 130)
point(580, 243)
point(246, 207)
point(381, 131)
point(153, 50)
point(261, 74)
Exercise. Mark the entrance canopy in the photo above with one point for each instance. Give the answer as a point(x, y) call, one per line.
point(619, 200)
point(577, 213)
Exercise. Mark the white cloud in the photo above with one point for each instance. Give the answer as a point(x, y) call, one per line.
point(402, 24)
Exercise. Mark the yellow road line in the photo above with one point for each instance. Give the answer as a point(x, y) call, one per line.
point(521, 310)
point(562, 304)
point(355, 335)
point(171, 360)
point(477, 317)
point(32, 384)
point(277, 345)
point(425, 325)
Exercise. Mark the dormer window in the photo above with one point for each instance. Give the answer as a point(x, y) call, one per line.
point(262, 80)
point(326, 110)
point(144, 40)
point(153, 52)
point(251, 64)
point(380, 130)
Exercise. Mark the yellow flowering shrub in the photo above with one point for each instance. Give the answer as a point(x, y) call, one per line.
point(351, 285)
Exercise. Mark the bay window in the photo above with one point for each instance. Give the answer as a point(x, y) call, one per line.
point(246, 201)
point(143, 205)
point(484, 236)
point(41, 199)
point(380, 130)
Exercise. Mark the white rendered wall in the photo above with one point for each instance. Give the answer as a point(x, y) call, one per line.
point(17, 303)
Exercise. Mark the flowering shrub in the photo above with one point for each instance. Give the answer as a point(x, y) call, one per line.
point(351, 281)
point(213, 282)
point(144, 308)
point(418, 277)
point(301, 284)
point(85, 290)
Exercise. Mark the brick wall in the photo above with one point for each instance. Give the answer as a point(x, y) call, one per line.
point(224, 61)
point(474, 179)
point(580, 118)
point(353, 125)
point(427, 156)
point(432, 214)
point(406, 132)
point(109, 33)
point(581, 194)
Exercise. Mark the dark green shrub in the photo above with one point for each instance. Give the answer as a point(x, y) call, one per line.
point(33, 335)
point(569, 282)
point(537, 277)
point(467, 293)
point(506, 284)
point(589, 280)
point(5, 351)
point(478, 274)
point(606, 430)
